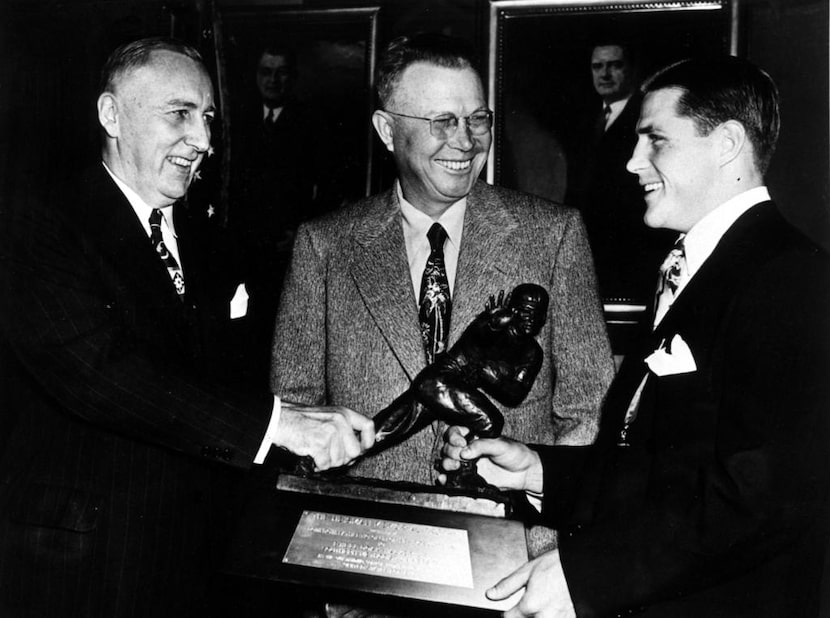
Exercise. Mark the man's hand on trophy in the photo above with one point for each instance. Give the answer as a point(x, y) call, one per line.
point(332, 436)
point(502, 462)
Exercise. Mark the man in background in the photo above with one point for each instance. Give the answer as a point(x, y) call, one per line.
point(706, 491)
point(376, 291)
point(116, 481)
point(273, 163)
point(626, 252)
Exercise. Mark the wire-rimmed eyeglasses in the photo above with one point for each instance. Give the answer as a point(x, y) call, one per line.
point(445, 126)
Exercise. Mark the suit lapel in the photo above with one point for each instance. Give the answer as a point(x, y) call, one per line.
point(736, 253)
point(381, 274)
point(484, 258)
point(111, 222)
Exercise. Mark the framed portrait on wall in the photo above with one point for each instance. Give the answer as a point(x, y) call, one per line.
point(551, 138)
point(320, 72)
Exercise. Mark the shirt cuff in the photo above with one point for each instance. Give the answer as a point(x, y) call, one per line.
point(535, 500)
point(270, 433)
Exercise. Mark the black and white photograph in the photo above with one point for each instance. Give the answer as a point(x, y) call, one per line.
point(393, 309)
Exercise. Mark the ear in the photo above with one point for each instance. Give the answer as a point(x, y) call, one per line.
point(108, 114)
point(385, 129)
point(732, 141)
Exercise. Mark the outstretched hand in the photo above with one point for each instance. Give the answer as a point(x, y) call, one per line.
point(546, 591)
point(502, 462)
point(332, 436)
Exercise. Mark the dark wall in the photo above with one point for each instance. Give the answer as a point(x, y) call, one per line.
point(50, 54)
point(789, 38)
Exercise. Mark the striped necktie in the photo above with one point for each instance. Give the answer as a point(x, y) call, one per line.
point(173, 268)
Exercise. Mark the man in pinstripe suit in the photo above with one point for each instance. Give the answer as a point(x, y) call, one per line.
point(118, 475)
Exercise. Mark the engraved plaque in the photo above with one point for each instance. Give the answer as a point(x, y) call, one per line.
point(415, 552)
point(366, 546)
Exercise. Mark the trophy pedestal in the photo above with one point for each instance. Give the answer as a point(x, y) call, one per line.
point(381, 540)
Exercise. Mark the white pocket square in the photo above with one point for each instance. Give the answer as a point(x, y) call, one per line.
point(678, 360)
point(239, 303)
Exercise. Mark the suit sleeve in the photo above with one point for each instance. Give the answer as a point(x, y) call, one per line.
point(735, 501)
point(579, 344)
point(298, 361)
point(60, 320)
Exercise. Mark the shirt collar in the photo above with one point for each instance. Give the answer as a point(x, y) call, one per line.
point(140, 207)
point(704, 236)
point(267, 110)
point(618, 106)
point(416, 224)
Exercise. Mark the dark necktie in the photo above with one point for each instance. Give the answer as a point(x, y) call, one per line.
point(170, 262)
point(435, 303)
point(601, 121)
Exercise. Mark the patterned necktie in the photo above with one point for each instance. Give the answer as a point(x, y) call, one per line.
point(673, 275)
point(173, 268)
point(435, 303)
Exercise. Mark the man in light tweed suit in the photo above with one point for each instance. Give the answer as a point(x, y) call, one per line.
point(348, 330)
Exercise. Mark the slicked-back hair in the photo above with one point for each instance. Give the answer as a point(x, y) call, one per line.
point(630, 51)
point(278, 49)
point(433, 48)
point(134, 55)
point(715, 90)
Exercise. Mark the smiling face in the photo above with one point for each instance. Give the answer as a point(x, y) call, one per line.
point(158, 126)
point(434, 172)
point(612, 73)
point(677, 167)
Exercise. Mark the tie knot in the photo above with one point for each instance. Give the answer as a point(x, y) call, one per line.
point(436, 235)
point(674, 268)
point(606, 110)
point(155, 217)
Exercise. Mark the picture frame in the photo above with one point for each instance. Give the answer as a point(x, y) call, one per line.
point(336, 50)
point(533, 44)
point(539, 82)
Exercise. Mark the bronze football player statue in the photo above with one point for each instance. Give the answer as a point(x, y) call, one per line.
point(496, 356)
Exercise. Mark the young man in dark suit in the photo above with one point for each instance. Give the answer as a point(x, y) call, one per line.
point(706, 491)
point(117, 475)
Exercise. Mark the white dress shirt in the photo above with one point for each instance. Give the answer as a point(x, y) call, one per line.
point(143, 212)
point(416, 224)
point(616, 109)
point(266, 111)
point(702, 239)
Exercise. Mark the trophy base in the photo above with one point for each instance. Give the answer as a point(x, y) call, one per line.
point(488, 502)
point(386, 540)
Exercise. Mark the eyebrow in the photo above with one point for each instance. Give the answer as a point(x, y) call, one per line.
point(188, 104)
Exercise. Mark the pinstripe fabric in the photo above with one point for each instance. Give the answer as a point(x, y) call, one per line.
point(347, 330)
point(107, 502)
